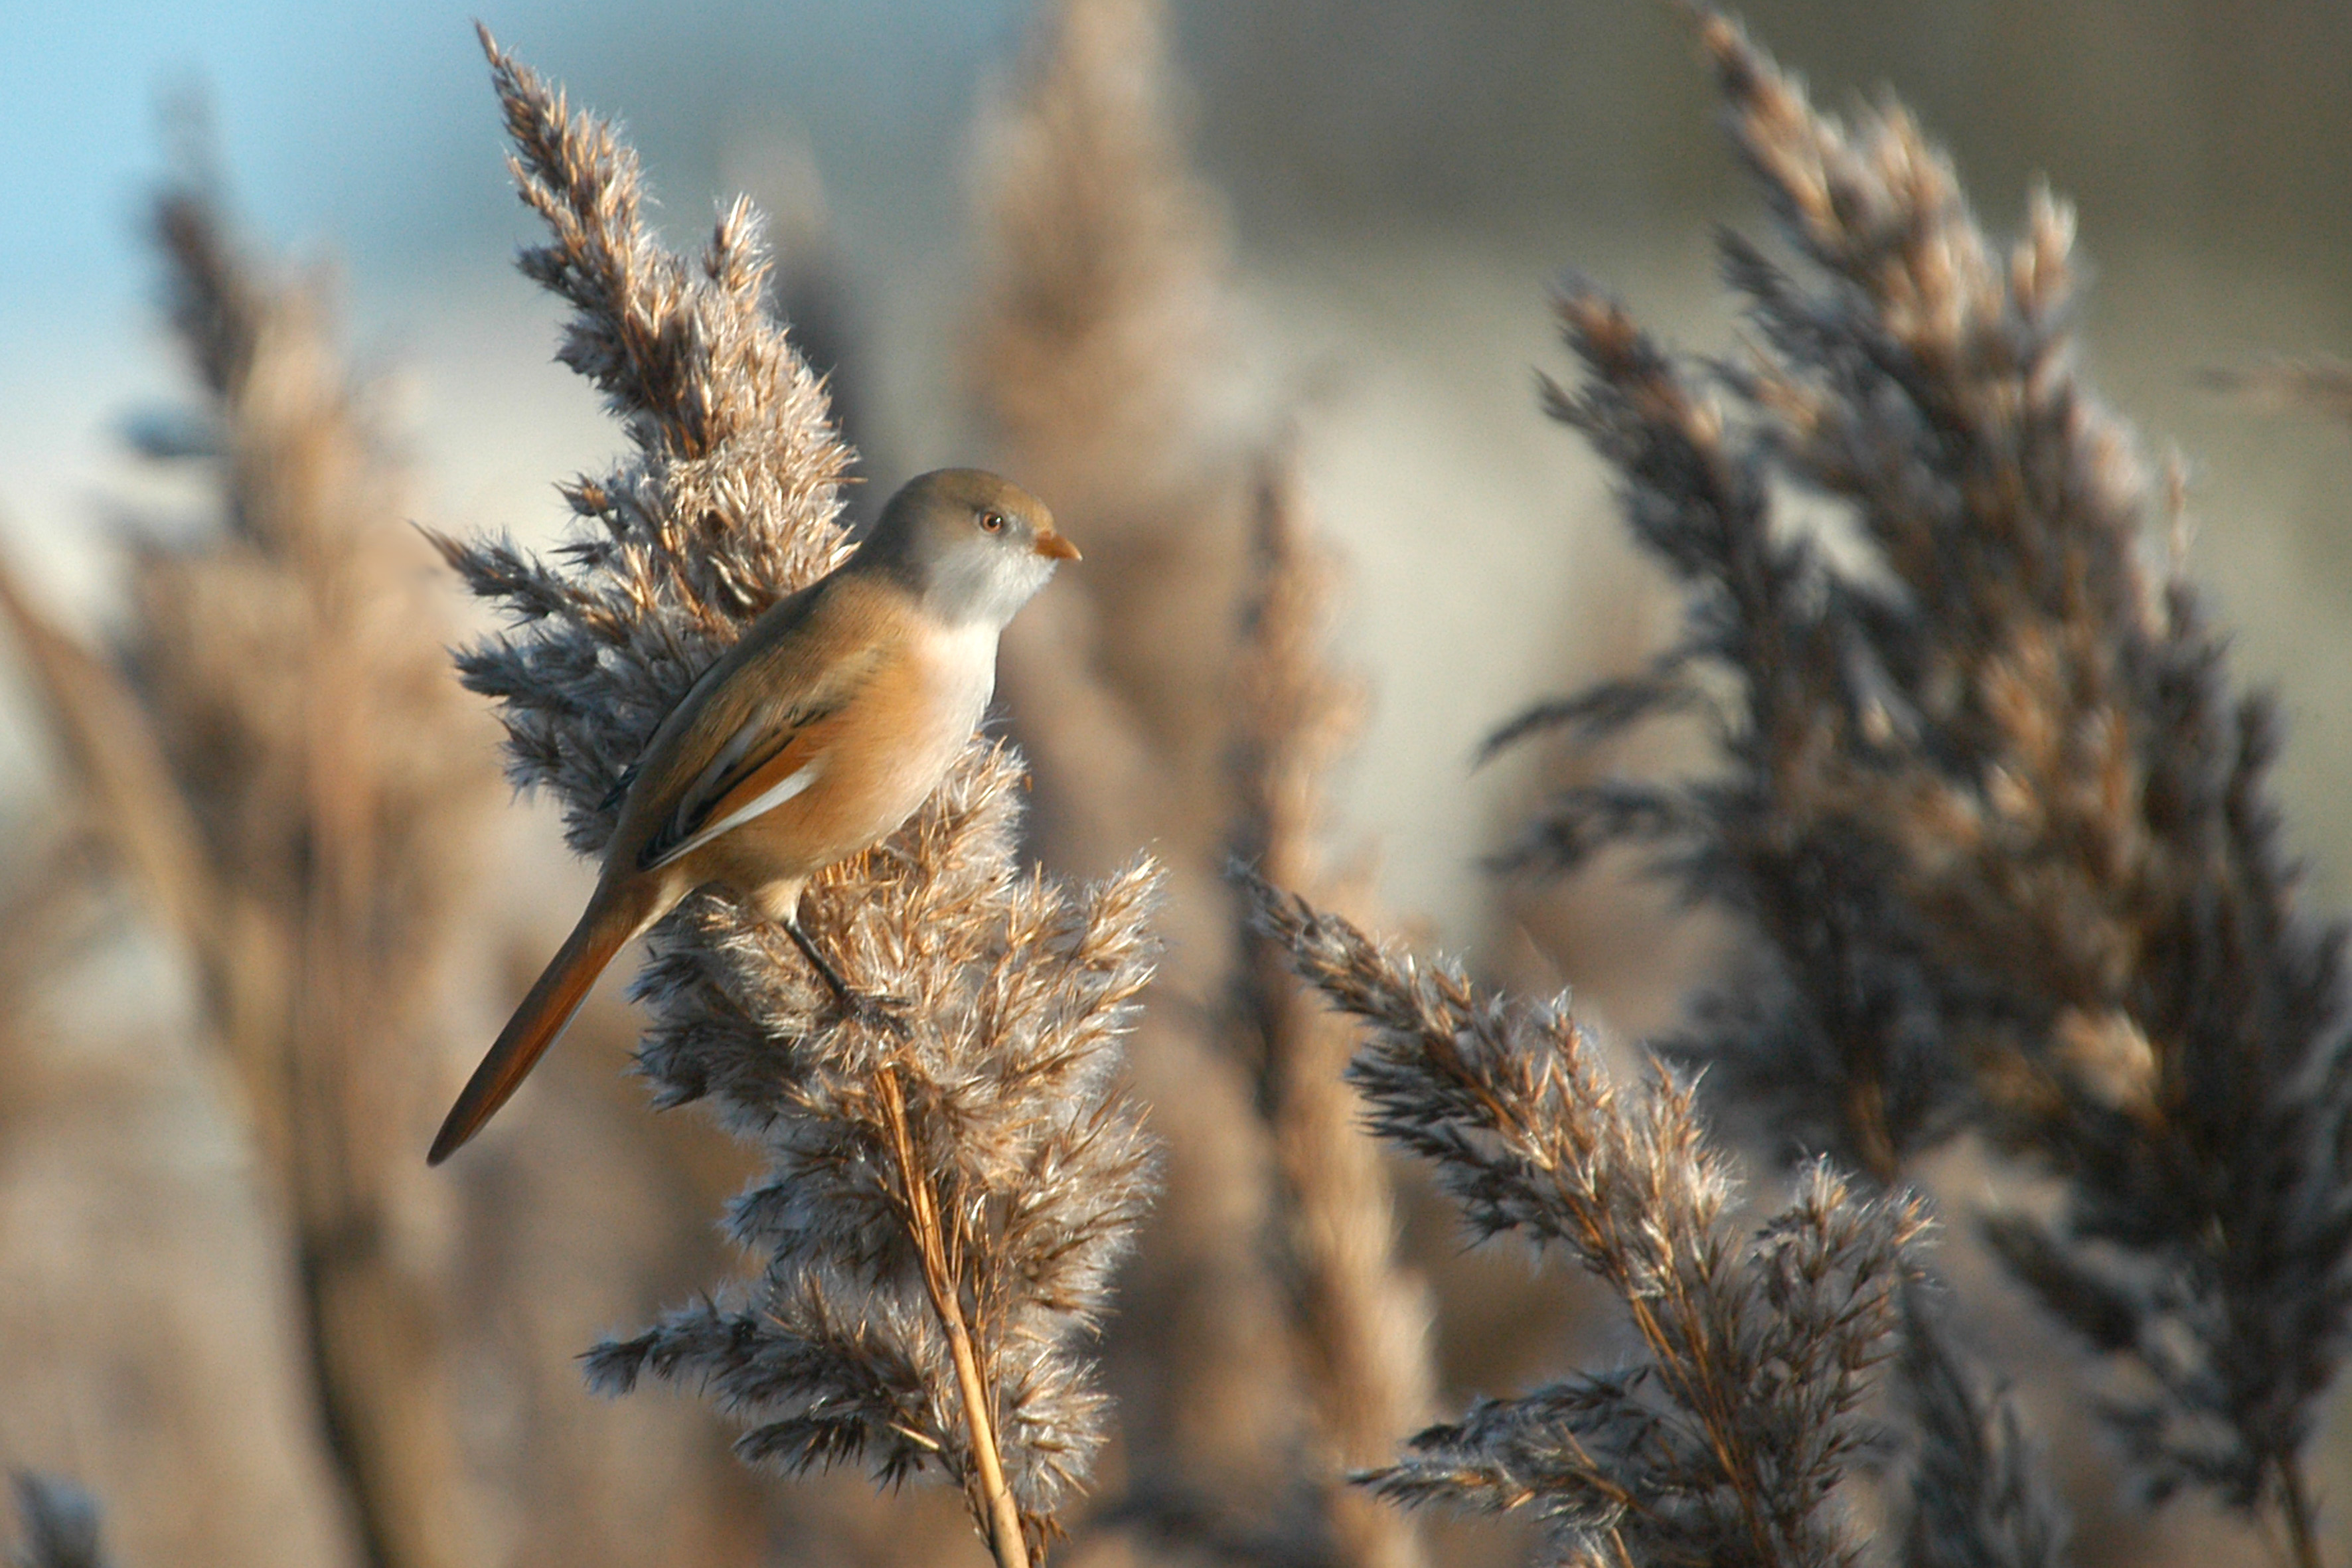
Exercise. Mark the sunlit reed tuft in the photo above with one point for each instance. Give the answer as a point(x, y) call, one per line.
point(941, 1205)
point(2000, 831)
point(1726, 1440)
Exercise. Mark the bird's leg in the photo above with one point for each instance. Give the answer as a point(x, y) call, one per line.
point(825, 971)
point(859, 1005)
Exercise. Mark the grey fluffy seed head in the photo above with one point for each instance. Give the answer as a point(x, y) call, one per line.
point(1725, 1441)
point(733, 497)
point(2000, 830)
point(1980, 1492)
point(941, 1207)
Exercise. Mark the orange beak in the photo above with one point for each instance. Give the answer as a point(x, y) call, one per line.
point(1055, 547)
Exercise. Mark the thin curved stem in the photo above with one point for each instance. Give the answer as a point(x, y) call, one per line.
point(1000, 1517)
point(2294, 1495)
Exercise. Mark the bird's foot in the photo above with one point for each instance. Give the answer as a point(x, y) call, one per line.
point(875, 1011)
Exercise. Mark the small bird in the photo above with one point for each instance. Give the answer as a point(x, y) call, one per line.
point(812, 738)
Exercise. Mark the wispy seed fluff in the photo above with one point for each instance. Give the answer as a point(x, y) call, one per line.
point(2000, 830)
point(941, 1207)
point(1725, 1439)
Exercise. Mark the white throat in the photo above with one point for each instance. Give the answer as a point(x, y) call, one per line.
point(985, 586)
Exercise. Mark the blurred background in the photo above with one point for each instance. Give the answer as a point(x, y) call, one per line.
point(1406, 181)
point(1396, 183)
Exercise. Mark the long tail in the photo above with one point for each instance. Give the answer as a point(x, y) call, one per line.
point(615, 915)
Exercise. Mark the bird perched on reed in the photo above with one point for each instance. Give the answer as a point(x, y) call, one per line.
point(813, 738)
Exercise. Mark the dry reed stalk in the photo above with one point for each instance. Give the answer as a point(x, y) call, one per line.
point(49, 911)
point(292, 671)
point(1103, 360)
point(2320, 385)
point(2001, 829)
point(112, 749)
point(1726, 1442)
point(940, 1205)
point(1360, 1326)
point(133, 1256)
point(288, 775)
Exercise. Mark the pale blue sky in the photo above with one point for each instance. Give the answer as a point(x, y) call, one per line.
point(368, 134)
point(369, 129)
point(1410, 175)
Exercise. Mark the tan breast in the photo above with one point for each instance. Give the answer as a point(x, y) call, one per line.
point(882, 756)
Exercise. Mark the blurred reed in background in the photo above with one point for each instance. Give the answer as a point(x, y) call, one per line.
point(1997, 893)
point(1994, 827)
point(279, 763)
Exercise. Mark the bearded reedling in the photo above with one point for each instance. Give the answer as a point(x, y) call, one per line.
point(810, 741)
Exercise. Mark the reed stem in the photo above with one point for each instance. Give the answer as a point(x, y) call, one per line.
point(999, 1517)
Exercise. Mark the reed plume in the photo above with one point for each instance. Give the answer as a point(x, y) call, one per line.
point(940, 1206)
point(1999, 828)
point(1726, 1440)
point(1103, 361)
point(283, 768)
point(1979, 1489)
point(1359, 1326)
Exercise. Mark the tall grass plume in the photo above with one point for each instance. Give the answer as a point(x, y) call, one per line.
point(279, 760)
point(1103, 364)
point(1998, 829)
point(1360, 1325)
point(1726, 1438)
point(940, 1206)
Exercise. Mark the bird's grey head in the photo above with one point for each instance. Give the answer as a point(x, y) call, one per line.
point(975, 546)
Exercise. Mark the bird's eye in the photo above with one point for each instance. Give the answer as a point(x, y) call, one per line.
point(992, 522)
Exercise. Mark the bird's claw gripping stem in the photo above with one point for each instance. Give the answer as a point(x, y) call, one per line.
point(868, 1008)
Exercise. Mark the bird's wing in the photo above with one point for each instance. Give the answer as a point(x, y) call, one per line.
point(776, 748)
point(768, 760)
